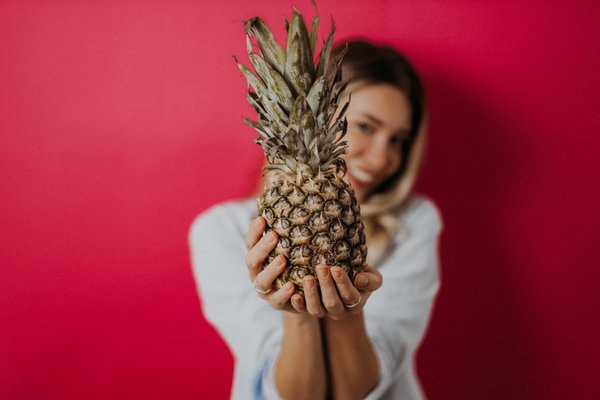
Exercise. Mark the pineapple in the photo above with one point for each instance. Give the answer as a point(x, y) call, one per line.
point(305, 200)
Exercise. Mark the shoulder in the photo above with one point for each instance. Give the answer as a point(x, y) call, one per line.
point(223, 219)
point(420, 209)
point(420, 215)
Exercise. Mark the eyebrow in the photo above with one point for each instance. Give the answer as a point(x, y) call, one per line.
point(378, 122)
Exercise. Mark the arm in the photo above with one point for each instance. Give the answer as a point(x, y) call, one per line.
point(299, 369)
point(352, 362)
point(372, 351)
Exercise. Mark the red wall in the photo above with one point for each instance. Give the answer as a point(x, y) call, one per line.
point(120, 122)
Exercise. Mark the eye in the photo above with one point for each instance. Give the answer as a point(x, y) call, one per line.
point(364, 127)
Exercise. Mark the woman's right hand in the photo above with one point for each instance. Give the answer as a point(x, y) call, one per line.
point(259, 246)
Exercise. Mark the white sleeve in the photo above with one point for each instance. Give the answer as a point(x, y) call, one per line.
point(398, 313)
point(248, 325)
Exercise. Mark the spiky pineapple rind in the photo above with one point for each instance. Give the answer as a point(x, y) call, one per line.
point(317, 220)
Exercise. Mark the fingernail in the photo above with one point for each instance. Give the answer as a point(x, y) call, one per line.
point(336, 272)
point(309, 283)
point(322, 272)
point(272, 236)
point(289, 286)
point(280, 260)
point(362, 281)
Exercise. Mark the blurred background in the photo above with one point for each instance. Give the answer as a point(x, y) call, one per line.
point(120, 121)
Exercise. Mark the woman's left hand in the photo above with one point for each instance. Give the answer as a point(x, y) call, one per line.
point(338, 296)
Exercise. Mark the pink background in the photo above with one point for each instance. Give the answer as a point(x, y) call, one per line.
point(121, 121)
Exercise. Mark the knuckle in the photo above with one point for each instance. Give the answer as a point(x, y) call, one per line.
point(264, 243)
point(250, 261)
point(317, 312)
point(276, 264)
point(279, 302)
point(330, 304)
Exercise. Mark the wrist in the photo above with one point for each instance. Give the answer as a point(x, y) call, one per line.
point(299, 319)
point(351, 319)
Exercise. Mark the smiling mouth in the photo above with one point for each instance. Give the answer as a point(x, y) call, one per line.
point(362, 177)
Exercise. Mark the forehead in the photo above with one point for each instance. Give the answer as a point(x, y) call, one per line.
point(383, 101)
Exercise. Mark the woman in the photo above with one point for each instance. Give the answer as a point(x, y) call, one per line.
point(344, 339)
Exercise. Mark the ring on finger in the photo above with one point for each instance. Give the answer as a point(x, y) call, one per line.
point(351, 306)
point(259, 290)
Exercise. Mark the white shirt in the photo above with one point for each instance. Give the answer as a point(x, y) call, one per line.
point(396, 315)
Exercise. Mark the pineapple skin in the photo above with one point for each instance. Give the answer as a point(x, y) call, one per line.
point(317, 219)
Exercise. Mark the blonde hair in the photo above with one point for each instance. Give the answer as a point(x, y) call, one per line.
point(379, 212)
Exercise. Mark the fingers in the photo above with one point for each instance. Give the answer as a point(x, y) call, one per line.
point(312, 298)
point(257, 254)
point(266, 277)
point(369, 279)
point(329, 293)
point(257, 227)
point(347, 292)
point(280, 298)
point(298, 303)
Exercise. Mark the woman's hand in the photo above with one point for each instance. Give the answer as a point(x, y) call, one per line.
point(263, 277)
point(339, 297)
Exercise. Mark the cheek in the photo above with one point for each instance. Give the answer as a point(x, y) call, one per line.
point(355, 144)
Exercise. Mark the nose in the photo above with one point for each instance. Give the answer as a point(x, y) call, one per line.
point(376, 156)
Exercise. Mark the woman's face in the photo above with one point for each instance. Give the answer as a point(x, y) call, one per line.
point(379, 122)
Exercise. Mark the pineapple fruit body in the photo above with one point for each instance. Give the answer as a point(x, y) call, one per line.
point(317, 219)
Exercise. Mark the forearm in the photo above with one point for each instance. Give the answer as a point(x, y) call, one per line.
point(300, 368)
point(352, 362)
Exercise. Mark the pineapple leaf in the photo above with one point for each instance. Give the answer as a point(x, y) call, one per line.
point(293, 65)
point(299, 67)
point(256, 83)
point(298, 109)
point(248, 44)
point(253, 100)
point(316, 94)
point(308, 121)
point(270, 49)
point(277, 87)
point(275, 112)
point(286, 24)
point(325, 51)
point(313, 35)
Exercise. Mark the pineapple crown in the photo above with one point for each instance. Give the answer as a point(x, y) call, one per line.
point(296, 100)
